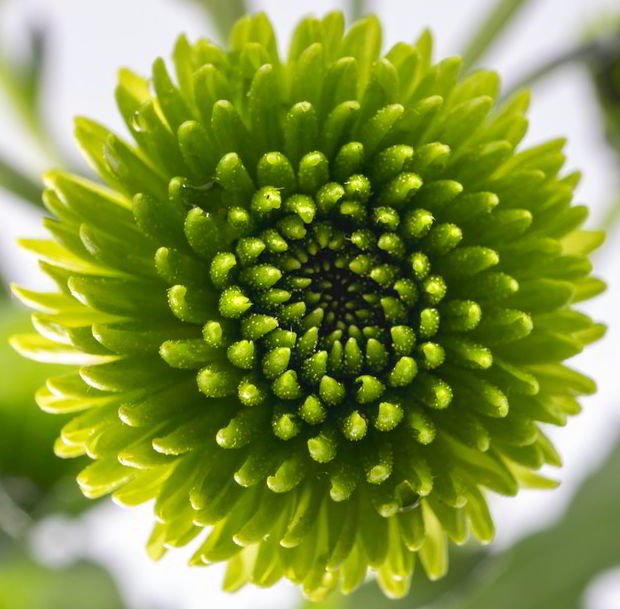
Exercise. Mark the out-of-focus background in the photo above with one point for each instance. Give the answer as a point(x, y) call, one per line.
point(52, 543)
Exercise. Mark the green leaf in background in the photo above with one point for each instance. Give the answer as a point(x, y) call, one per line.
point(25, 584)
point(26, 433)
point(552, 569)
point(32, 480)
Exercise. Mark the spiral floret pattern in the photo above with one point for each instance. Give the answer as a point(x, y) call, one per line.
point(321, 306)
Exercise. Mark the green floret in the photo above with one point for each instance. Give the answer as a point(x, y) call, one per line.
point(321, 305)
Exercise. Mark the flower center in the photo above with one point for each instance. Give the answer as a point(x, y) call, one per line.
point(345, 298)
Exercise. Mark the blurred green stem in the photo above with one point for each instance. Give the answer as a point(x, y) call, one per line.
point(499, 17)
point(583, 52)
point(611, 218)
point(358, 9)
point(22, 82)
point(223, 14)
point(20, 185)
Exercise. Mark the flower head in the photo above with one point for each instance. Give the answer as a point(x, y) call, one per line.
point(320, 307)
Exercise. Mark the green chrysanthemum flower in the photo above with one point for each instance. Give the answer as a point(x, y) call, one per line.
point(321, 307)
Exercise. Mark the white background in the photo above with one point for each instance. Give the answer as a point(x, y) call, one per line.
point(89, 40)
